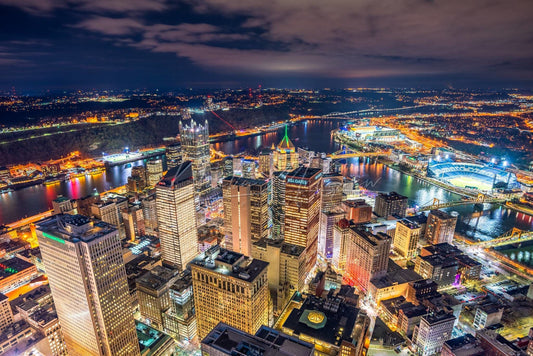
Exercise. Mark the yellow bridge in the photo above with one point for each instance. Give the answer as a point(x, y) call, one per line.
point(512, 236)
point(480, 199)
point(348, 153)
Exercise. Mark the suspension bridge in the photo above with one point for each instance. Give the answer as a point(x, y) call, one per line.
point(349, 153)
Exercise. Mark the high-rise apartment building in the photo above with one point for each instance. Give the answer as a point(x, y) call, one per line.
point(440, 227)
point(434, 330)
point(133, 219)
point(367, 255)
point(154, 171)
point(245, 212)
point(285, 156)
point(266, 162)
point(85, 269)
point(390, 204)
point(176, 216)
point(406, 238)
point(302, 210)
point(231, 288)
point(195, 148)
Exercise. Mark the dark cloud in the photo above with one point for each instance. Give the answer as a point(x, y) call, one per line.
point(342, 39)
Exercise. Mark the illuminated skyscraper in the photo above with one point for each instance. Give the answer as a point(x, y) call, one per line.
point(195, 148)
point(390, 204)
point(285, 155)
point(440, 227)
point(230, 288)
point(406, 238)
point(367, 255)
point(154, 171)
point(245, 212)
point(302, 210)
point(85, 269)
point(176, 216)
point(278, 204)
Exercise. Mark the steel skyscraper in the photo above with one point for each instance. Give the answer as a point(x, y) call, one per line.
point(176, 216)
point(85, 269)
point(195, 148)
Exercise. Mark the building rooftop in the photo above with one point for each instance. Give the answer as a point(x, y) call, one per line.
point(466, 345)
point(13, 266)
point(245, 181)
point(441, 214)
point(443, 248)
point(157, 277)
point(373, 239)
point(436, 318)
point(61, 199)
point(329, 320)
point(394, 277)
point(305, 173)
point(150, 339)
point(73, 228)
point(293, 250)
point(230, 263)
point(391, 196)
point(419, 219)
point(439, 260)
point(266, 342)
point(177, 176)
point(410, 224)
point(355, 203)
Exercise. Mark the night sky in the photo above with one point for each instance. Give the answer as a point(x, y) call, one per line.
point(71, 44)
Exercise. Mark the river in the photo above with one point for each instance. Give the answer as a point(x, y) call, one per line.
point(493, 221)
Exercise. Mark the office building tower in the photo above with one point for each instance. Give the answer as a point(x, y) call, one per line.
point(173, 153)
point(62, 205)
point(227, 170)
point(406, 238)
point(107, 212)
point(149, 208)
point(328, 219)
point(284, 154)
point(439, 268)
point(286, 269)
point(302, 210)
point(154, 171)
point(133, 219)
point(231, 288)
point(245, 212)
point(137, 182)
point(434, 330)
point(341, 232)
point(278, 204)
point(440, 227)
point(227, 340)
point(85, 269)
point(83, 205)
point(357, 211)
point(176, 216)
point(390, 204)
point(266, 162)
point(248, 168)
point(331, 192)
point(195, 148)
point(44, 320)
point(6, 314)
point(367, 255)
point(217, 173)
point(153, 295)
point(180, 319)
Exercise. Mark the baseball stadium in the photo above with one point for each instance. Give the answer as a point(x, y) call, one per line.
point(471, 175)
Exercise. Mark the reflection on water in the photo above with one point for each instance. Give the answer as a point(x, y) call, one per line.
point(316, 135)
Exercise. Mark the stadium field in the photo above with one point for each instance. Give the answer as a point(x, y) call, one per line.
point(463, 182)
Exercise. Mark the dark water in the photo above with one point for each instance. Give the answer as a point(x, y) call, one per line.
point(522, 253)
point(316, 135)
